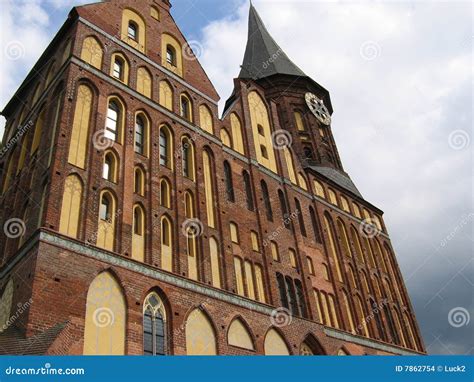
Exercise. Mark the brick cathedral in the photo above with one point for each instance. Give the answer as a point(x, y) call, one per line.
point(136, 220)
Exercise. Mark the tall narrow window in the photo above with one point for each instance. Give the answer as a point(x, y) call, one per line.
point(138, 237)
point(275, 252)
point(187, 153)
point(266, 201)
point(299, 211)
point(107, 218)
point(345, 303)
point(344, 239)
point(144, 82)
point(170, 55)
point(215, 267)
point(234, 233)
point(71, 206)
point(310, 265)
point(154, 326)
point(290, 292)
point(186, 110)
point(113, 121)
point(80, 127)
point(165, 194)
point(229, 185)
point(139, 187)
point(237, 138)
point(166, 245)
point(299, 121)
point(300, 298)
point(109, 171)
point(132, 30)
point(318, 189)
point(315, 224)
point(282, 290)
point(239, 281)
point(332, 246)
point(284, 209)
point(165, 147)
point(248, 190)
point(140, 135)
point(118, 68)
point(209, 189)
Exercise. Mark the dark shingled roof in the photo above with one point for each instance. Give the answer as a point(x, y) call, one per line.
point(12, 341)
point(263, 56)
point(337, 177)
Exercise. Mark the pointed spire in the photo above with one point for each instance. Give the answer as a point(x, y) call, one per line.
point(263, 56)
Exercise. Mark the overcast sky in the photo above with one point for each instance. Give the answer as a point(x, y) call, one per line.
point(400, 78)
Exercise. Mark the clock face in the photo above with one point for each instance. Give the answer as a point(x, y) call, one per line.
point(318, 108)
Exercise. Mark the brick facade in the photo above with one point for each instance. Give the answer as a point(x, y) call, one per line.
point(54, 272)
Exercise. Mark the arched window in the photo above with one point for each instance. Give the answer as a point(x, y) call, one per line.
point(332, 197)
point(215, 267)
point(356, 211)
point(319, 189)
point(71, 207)
point(132, 31)
point(139, 182)
point(229, 185)
point(114, 121)
point(104, 332)
point(225, 138)
point(154, 326)
point(284, 209)
point(302, 182)
point(370, 252)
point(300, 299)
point(259, 116)
point(144, 82)
point(186, 108)
point(249, 280)
point(275, 344)
point(171, 55)
point(166, 95)
point(80, 127)
point(187, 153)
point(358, 247)
point(344, 239)
point(206, 121)
point(292, 255)
point(290, 165)
point(266, 200)
point(299, 121)
point(378, 319)
point(138, 237)
point(311, 346)
point(188, 205)
point(345, 304)
point(118, 68)
point(106, 230)
point(239, 336)
point(275, 252)
point(299, 211)
point(234, 233)
point(141, 135)
point(166, 148)
point(165, 193)
point(254, 240)
point(310, 265)
point(315, 224)
point(155, 13)
point(92, 52)
point(166, 244)
point(200, 335)
point(361, 316)
point(332, 246)
point(38, 132)
point(109, 171)
point(248, 190)
point(209, 188)
point(237, 138)
point(345, 204)
point(239, 279)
